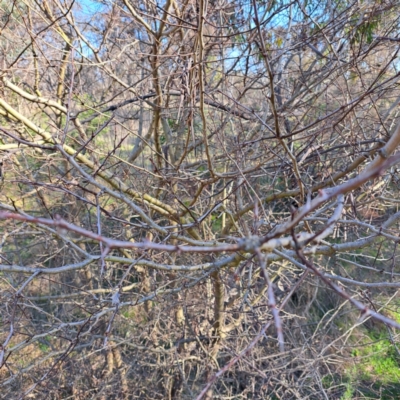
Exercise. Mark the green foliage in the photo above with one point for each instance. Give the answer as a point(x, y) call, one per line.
point(172, 123)
point(376, 368)
point(365, 31)
point(348, 394)
point(129, 313)
point(216, 222)
point(44, 345)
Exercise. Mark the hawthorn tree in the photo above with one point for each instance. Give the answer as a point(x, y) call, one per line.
point(199, 198)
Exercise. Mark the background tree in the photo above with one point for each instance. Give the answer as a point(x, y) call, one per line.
point(199, 199)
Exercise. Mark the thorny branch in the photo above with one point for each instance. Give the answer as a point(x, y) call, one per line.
point(182, 181)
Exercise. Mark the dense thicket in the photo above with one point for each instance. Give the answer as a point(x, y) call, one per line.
point(199, 199)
